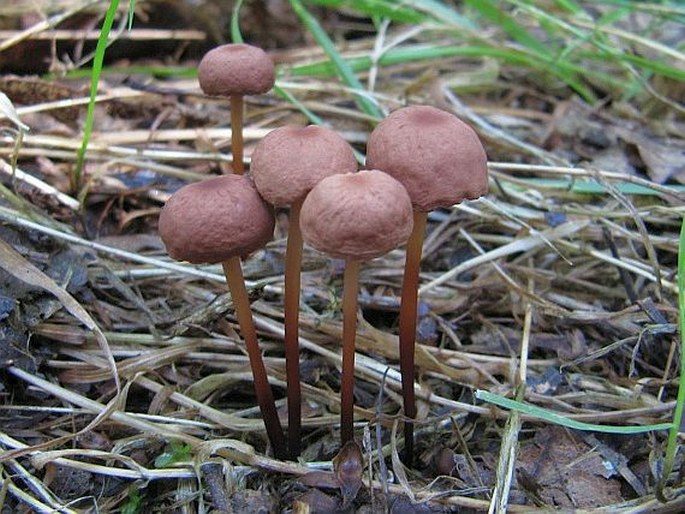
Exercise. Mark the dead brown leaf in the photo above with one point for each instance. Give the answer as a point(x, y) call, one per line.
point(566, 473)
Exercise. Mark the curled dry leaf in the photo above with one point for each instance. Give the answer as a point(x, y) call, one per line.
point(663, 157)
point(348, 467)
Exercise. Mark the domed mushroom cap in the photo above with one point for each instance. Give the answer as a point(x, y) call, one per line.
point(289, 161)
point(236, 69)
point(436, 156)
point(213, 220)
point(357, 215)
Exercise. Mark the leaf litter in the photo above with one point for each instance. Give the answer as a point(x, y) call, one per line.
point(562, 267)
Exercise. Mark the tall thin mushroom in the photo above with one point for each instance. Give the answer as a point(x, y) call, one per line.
point(236, 70)
point(356, 217)
point(286, 165)
point(221, 220)
point(441, 162)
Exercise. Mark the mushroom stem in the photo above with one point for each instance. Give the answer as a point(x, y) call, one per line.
point(237, 134)
point(293, 260)
point(241, 304)
point(408, 314)
point(236, 284)
point(350, 292)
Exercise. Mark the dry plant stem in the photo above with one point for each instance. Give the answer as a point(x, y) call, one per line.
point(350, 292)
point(241, 303)
point(237, 133)
point(293, 261)
point(408, 309)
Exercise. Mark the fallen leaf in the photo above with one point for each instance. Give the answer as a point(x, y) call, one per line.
point(348, 467)
point(564, 472)
point(664, 157)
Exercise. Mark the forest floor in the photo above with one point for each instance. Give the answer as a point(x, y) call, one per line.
point(548, 344)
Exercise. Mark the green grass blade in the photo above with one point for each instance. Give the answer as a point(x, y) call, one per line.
point(602, 35)
point(442, 12)
point(411, 12)
point(236, 35)
point(588, 186)
point(558, 419)
point(423, 52)
point(131, 12)
point(77, 173)
point(672, 444)
point(669, 10)
point(286, 95)
point(571, 7)
point(490, 11)
point(414, 53)
point(342, 68)
point(152, 70)
point(390, 9)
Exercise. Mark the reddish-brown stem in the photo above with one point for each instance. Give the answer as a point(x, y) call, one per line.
point(349, 336)
point(293, 260)
point(408, 313)
point(241, 304)
point(237, 134)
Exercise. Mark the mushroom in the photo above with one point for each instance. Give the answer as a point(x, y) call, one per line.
point(221, 220)
point(440, 161)
point(235, 70)
point(355, 216)
point(286, 164)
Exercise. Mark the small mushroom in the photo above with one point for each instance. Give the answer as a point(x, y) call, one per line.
point(356, 217)
point(235, 70)
point(441, 162)
point(221, 220)
point(286, 165)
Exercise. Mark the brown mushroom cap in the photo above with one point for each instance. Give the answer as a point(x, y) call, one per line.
point(357, 215)
point(236, 69)
point(436, 156)
point(216, 219)
point(290, 161)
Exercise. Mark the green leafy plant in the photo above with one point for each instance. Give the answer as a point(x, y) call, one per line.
point(173, 453)
point(134, 502)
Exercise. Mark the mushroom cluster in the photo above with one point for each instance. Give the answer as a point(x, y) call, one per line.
point(419, 158)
